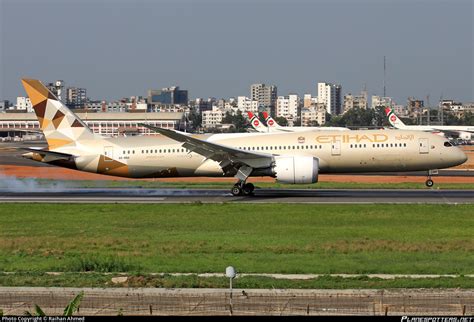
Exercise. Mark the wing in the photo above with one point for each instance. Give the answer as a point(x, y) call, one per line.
point(226, 156)
point(452, 132)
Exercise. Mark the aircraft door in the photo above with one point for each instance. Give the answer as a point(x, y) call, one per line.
point(424, 146)
point(109, 153)
point(336, 147)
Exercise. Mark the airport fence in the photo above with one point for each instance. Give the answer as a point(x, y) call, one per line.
point(15, 301)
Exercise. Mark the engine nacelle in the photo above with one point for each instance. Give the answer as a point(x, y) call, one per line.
point(296, 169)
point(465, 136)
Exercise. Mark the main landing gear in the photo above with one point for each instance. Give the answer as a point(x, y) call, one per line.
point(241, 188)
point(429, 182)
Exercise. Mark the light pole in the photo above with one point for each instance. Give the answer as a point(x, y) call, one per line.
point(230, 273)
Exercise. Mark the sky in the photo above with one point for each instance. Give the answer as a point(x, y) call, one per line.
point(218, 48)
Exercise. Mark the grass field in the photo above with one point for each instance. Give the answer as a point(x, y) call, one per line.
point(270, 238)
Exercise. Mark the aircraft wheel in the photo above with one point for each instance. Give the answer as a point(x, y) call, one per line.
point(236, 191)
point(248, 189)
point(429, 183)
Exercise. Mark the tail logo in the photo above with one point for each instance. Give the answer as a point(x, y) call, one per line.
point(270, 122)
point(393, 118)
point(256, 122)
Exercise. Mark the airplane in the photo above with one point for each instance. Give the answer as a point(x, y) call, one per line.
point(273, 126)
point(289, 157)
point(463, 132)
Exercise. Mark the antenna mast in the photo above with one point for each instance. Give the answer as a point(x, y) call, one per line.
point(384, 72)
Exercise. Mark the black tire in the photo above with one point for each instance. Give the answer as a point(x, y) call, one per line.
point(248, 189)
point(429, 183)
point(236, 191)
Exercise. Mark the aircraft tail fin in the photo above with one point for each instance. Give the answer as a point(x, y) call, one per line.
point(60, 126)
point(393, 119)
point(270, 121)
point(255, 122)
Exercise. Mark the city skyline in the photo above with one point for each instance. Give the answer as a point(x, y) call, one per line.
point(219, 49)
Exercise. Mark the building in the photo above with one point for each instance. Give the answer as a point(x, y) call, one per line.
point(23, 104)
point(76, 97)
point(287, 107)
point(382, 101)
point(355, 101)
point(212, 118)
point(107, 124)
point(265, 95)
point(168, 95)
point(4, 105)
point(330, 95)
point(245, 104)
point(57, 88)
point(312, 114)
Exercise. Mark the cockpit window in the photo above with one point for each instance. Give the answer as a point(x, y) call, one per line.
point(447, 144)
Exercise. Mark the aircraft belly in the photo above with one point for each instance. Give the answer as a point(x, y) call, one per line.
point(163, 167)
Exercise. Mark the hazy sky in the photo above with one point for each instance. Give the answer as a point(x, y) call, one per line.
point(218, 48)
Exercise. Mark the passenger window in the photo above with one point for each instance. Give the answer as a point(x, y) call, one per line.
point(447, 144)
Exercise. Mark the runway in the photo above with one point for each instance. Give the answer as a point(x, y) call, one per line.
point(316, 196)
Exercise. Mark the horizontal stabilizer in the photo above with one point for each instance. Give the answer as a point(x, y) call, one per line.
point(51, 153)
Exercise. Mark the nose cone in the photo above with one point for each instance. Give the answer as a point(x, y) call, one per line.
point(459, 156)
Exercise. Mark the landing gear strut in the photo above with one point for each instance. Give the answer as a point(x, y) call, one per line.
point(429, 182)
point(241, 188)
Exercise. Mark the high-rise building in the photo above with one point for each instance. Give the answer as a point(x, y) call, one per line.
point(330, 95)
point(57, 88)
point(382, 101)
point(168, 95)
point(287, 107)
point(314, 113)
point(212, 118)
point(245, 104)
point(355, 101)
point(76, 97)
point(265, 95)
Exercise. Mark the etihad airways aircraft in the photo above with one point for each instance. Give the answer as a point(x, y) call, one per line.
point(288, 157)
point(273, 126)
point(461, 131)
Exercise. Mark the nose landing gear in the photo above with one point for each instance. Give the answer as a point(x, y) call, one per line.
point(429, 182)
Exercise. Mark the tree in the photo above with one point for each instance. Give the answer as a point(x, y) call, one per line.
point(69, 310)
point(238, 120)
point(195, 121)
point(281, 121)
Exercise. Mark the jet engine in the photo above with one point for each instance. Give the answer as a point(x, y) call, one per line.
point(465, 136)
point(296, 169)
